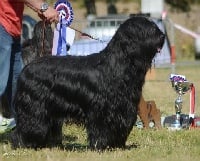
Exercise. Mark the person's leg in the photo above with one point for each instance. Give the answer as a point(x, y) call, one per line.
point(16, 66)
point(10, 67)
point(5, 55)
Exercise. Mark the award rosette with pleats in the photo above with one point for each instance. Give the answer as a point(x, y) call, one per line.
point(65, 19)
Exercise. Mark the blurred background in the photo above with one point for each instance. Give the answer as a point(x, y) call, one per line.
point(184, 13)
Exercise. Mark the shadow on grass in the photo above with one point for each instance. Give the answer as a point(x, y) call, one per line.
point(132, 146)
point(69, 138)
point(83, 148)
point(70, 143)
point(76, 147)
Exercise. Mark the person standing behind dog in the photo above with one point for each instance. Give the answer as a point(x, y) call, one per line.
point(11, 14)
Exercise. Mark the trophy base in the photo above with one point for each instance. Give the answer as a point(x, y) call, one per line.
point(175, 126)
point(170, 122)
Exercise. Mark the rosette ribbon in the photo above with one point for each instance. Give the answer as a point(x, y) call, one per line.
point(65, 19)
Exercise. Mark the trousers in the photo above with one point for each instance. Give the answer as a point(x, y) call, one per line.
point(11, 65)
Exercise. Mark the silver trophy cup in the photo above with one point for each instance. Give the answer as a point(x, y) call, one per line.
point(181, 87)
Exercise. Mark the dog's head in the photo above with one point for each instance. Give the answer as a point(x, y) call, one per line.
point(140, 39)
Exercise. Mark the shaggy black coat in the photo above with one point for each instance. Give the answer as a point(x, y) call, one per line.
point(40, 44)
point(102, 91)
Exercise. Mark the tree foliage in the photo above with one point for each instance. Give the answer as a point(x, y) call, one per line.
point(182, 5)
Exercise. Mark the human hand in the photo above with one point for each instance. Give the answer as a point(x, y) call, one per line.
point(50, 15)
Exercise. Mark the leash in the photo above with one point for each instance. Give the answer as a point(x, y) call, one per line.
point(43, 38)
point(82, 33)
point(43, 33)
point(85, 34)
point(43, 28)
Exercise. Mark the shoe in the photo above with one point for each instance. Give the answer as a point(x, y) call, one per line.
point(7, 125)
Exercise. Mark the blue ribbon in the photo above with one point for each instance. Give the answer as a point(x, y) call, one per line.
point(61, 49)
point(66, 17)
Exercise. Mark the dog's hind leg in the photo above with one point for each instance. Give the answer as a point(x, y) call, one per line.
point(54, 136)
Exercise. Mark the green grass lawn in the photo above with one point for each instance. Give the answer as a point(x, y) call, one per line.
point(151, 145)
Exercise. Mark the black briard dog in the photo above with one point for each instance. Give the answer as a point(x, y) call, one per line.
point(102, 91)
